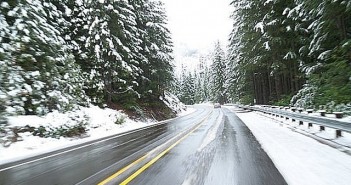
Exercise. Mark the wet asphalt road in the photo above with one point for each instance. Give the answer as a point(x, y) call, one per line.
point(221, 151)
point(233, 157)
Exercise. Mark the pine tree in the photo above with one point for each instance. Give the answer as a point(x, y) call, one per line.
point(181, 84)
point(4, 61)
point(107, 48)
point(328, 49)
point(188, 96)
point(156, 48)
point(280, 48)
point(39, 67)
point(54, 53)
point(219, 75)
point(264, 51)
point(199, 93)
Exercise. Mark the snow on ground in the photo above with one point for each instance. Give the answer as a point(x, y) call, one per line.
point(302, 160)
point(101, 123)
point(172, 102)
point(188, 110)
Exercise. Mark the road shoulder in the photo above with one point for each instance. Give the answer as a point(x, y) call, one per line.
point(300, 159)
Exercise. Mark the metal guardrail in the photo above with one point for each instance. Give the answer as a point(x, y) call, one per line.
point(339, 125)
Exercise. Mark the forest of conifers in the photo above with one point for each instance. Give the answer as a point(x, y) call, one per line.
point(57, 54)
point(284, 52)
point(282, 48)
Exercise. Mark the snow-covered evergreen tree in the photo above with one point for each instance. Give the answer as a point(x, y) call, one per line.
point(198, 90)
point(232, 72)
point(264, 51)
point(54, 53)
point(188, 96)
point(4, 61)
point(218, 67)
point(40, 73)
point(103, 48)
point(156, 48)
point(201, 81)
point(329, 67)
point(277, 46)
point(123, 48)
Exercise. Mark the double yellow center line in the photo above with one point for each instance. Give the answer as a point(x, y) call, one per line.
point(147, 165)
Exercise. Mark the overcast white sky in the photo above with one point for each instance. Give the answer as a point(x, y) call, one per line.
point(197, 24)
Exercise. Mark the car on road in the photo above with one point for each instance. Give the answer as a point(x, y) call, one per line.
point(217, 105)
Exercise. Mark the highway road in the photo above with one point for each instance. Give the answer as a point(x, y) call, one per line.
point(209, 146)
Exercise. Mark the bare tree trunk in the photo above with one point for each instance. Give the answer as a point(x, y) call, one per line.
point(291, 79)
point(109, 86)
point(278, 86)
point(342, 27)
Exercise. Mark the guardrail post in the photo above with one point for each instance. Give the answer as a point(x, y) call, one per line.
point(310, 125)
point(339, 114)
point(300, 110)
point(321, 122)
point(322, 112)
point(338, 133)
point(322, 128)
